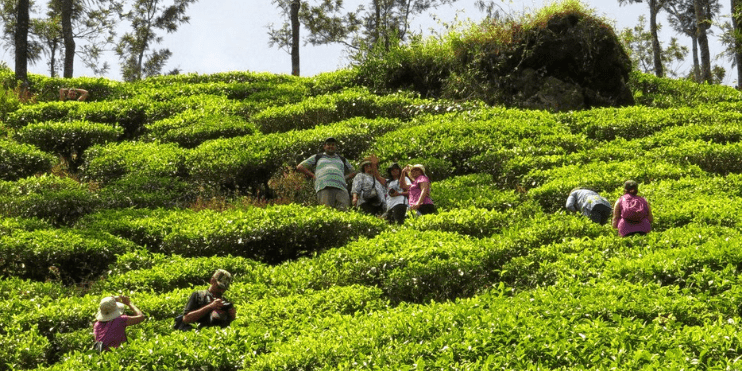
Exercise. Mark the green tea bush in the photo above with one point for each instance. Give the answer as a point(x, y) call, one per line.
point(250, 160)
point(551, 187)
point(144, 191)
point(8, 226)
point(272, 235)
point(652, 91)
point(142, 271)
point(414, 266)
point(477, 190)
point(22, 160)
point(113, 161)
point(47, 88)
point(326, 109)
point(61, 254)
point(472, 221)
point(191, 128)
point(67, 139)
point(59, 201)
point(460, 138)
point(711, 157)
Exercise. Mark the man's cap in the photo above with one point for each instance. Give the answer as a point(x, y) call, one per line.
point(223, 278)
point(109, 309)
point(330, 140)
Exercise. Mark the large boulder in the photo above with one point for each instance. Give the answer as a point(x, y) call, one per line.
point(571, 61)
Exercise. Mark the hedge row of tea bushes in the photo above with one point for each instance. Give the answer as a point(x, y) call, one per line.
point(499, 278)
point(574, 318)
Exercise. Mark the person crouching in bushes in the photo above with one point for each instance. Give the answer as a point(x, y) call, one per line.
point(419, 189)
point(109, 329)
point(369, 188)
point(396, 200)
point(590, 204)
point(208, 307)
point(632, 214)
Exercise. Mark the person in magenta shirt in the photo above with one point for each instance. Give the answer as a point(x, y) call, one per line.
point(111, 324)
point(419, 190)
point(631, 213)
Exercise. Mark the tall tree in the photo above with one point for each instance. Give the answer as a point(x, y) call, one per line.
point(703, 23)
point(147, 17)
point(731, 38)
point(655, 6)
point(21, 40)
point(737, 39)
point(287, 36)
point(682, 18)
point(69, 39)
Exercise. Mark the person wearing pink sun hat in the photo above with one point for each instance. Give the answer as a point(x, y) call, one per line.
point(109, 329)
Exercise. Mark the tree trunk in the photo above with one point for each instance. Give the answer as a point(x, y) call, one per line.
point(703, 42)
point(659, 71)
point(21, 41)
point(737, 26)
point(69, 40)
point(696, 65)
point(295, 5)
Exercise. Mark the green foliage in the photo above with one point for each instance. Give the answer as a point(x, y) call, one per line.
point(271, 234)
point(245, 162)
point(22, 160)
point(652, 91)
point(500, 278)
point(327, 109)
point(67, 139)
point(61, 254)
point(59, 201)
point(191, 128)
point(114, 161)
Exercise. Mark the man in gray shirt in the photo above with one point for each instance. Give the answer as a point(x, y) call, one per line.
point(590, 204)
point(331, 172)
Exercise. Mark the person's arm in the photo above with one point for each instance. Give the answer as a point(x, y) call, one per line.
point(138, 316)
point(83, 94)
point(355, 189)
point(424, 192)
point(571, 202)
point(301, 167)
point(616, 213)
point(650, 217)
point(191, 315)
point(62, 94)
point(403, 179)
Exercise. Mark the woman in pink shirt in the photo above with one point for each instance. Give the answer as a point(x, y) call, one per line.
point(632, 214)
point(419, 190)
point(110, 328)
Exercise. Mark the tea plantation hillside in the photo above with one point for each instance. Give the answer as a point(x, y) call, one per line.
point(146, 188)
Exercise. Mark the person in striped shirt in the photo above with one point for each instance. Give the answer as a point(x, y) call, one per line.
point(330, 173)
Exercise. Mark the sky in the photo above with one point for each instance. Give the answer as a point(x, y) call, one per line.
point(231, 35)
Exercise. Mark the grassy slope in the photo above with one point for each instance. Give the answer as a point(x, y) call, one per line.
point(502, 281)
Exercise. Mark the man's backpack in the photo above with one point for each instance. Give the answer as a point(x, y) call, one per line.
point(633, 209)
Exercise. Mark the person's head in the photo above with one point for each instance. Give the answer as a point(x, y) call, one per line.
point(220, 282)
point(109, 309)
point(367, 167)
point(631, 187)
point(417, 170)
point(330, 145)
point(394, 171)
